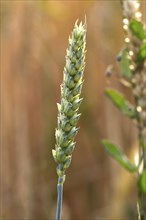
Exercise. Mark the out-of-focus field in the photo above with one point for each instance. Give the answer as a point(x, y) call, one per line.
point(34, 38)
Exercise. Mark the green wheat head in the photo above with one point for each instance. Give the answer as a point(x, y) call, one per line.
point(71, 87)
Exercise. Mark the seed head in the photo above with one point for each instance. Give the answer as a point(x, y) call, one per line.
point(130, 8)
point(68, 115)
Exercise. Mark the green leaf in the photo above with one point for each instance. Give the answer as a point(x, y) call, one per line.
point(125, 64)
point(118, 155)
point(120, 102)
point(142, 52)
point(137, 29)
point(142, 182)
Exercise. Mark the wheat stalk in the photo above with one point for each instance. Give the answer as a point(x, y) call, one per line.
point(68, 115)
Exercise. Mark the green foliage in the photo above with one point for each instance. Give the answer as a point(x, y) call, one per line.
point(142, 52)
point(142, 182)
point(124, 64)
point(120, 102)
point(118, 155)
point(137, 29)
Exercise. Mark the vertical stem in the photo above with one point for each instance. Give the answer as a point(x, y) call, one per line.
point(59, 198)
point(141, 195)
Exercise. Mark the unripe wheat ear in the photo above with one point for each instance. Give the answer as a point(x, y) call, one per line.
point(68, 114)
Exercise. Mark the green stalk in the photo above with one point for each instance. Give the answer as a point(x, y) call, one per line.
point(141, 195)
point(134, 40)
point(60, 198)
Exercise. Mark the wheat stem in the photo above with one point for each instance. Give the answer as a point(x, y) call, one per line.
point(60, 198)
point(68, 115)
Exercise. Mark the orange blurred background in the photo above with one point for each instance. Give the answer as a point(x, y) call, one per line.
point(34, 39)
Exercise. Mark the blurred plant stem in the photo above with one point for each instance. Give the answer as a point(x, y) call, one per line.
point(133, 70)
point(135, 35)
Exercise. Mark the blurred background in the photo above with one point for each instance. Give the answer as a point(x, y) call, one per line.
point(34, 38)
